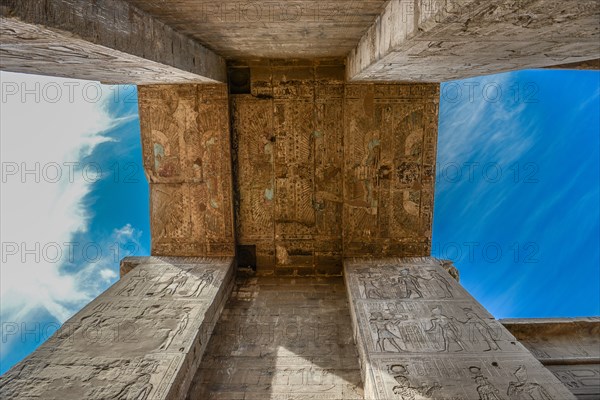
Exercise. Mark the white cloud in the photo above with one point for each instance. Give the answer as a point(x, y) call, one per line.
point(94, 276)
point(108, 274)
point(43, 209)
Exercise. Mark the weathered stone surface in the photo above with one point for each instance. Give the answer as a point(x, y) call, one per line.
point(420, 335)
point(326, 169)
point(109, 40)
point(269, 29)
point(568, 347)
point(141, 339)
point(281, 338)
point(187, 158)
point(390, 138)
point(438, 40)
point(582, 65)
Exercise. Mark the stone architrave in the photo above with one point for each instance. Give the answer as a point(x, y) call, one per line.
point(420, 335)
point(187, 159)
point(141, 339)
point(326, 169)
point(568, 347)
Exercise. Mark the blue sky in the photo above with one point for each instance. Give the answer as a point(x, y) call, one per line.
point(81, 208)
point(517, 191)
point(516, 207)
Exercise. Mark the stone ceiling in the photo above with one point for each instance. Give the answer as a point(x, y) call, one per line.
point(269, 29)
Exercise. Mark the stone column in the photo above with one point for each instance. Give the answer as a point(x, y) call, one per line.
point(143, 338)
point(420, 335)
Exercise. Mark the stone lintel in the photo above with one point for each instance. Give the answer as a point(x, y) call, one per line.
point(420, 334)
point(568, 347)
point(187, 158)
point(326, 169)
point(547, 327)
point(435, 40)
point(110, 41)
point(592, 65)
point(143, 338)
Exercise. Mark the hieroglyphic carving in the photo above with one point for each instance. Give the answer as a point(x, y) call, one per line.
point(186, 151)
point(430, 328)
point(385, 281)
point(254, 141)
point(327, 169)
point(461, 377)
point(568, 347)
point(420, 335)
point(141, 339)
point(389, 161)
point(288, 138)
point(404, 390)
point(522, 388)
point(485, 389)
point(582, 380)
point(96, 377)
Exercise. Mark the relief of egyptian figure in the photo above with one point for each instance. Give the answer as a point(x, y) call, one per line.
point(130, 288)
point(448, 329)
point(372, 291)
point(175, 283)
point(204, 281)
point(479, 328)
point(408, 285)
point(404, 390)
point(91, 327)
point(181, 325)
point(485, 389)
point(441, 283)
point(383, 332)
point(522, 389)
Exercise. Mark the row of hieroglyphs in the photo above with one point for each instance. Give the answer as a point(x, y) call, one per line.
point(518, 388)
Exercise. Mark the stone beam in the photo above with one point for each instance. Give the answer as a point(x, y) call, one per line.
point(582, 65)
point(143, 338)
point(109, 41)
point(326, 170)
point(419, 334)
point(568, 347)
point(187, 159)
point(440, 40)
